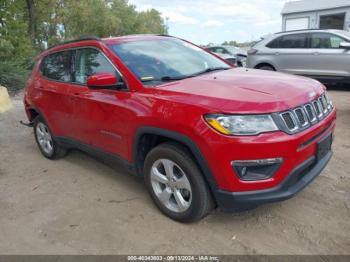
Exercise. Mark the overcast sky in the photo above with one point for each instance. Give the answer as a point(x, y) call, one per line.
point(205, 21)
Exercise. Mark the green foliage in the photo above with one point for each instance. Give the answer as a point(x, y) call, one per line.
point(150, 22)
point(238, 44)
point(12, 76)
point(29, 26)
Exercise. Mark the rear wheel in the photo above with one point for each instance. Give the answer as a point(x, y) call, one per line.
point(176, 183)
point(46, 142)
point(266, 68)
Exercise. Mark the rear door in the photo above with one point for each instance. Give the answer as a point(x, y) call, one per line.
point(328, 59)
point(289, 53)
point(52, 97)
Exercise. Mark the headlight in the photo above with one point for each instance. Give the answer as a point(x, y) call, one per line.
point(241, 124)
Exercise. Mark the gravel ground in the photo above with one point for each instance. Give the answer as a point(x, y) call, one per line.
point(77, 205)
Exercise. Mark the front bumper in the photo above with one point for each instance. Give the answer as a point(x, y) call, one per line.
point(297, 180)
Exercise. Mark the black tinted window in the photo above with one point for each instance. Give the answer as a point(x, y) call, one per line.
point(274, 43)
point(289, 41)
point(293, 41)
point(89, 62)
point(57, 66)
point(324, 40)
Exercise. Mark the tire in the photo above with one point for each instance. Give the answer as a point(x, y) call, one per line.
point(184, 184)
point(46, 141)
point(266, 68)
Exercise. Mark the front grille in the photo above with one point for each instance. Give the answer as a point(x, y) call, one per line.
point(288, 120)
point(310, 113)
point(317, 107)
point(300, 118)
point(323, 101)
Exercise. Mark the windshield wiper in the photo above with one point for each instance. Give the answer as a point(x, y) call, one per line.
point(210, 69)
point(176, 78)
point(164, 79)
point(172, 78)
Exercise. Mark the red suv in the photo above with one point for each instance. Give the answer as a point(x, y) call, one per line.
point(201, 133)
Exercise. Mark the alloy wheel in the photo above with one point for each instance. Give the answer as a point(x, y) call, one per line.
point(171, 185)
point(44, 138)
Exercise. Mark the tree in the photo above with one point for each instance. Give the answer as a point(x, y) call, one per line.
point(151, 22)
point(29, 26)
point(31, 20)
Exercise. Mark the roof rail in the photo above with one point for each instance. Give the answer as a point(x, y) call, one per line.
point(300, 30)
point(83, 38)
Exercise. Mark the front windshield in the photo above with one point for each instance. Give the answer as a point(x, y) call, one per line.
point(159, 60)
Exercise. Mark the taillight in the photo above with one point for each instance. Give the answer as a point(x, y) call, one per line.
point(252, 51)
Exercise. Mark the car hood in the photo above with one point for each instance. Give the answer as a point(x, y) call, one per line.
point(243, 91)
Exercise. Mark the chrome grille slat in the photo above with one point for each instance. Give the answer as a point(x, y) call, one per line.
point(318, 109)
point(289, 121)
point(310, 113)
point(300, 118)
point(324, 104)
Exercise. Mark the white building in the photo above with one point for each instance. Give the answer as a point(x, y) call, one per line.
point(316, 14)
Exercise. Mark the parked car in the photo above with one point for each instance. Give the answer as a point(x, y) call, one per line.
point(201, 133)
point(321, 54)
point(232, 54)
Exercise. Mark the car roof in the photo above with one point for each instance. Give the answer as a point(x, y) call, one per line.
point(304, 31)
point(128, 38)
point(308, 31)
point(84, 41)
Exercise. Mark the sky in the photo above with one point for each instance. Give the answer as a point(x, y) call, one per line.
point(216, 21)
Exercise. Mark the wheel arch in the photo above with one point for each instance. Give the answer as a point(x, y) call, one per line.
point(34, 112)
point(145, 135)
point(259, 65)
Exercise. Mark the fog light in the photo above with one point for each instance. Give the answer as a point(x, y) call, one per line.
point(252, 170)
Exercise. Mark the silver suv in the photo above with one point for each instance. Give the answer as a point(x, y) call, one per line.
point(321, 54)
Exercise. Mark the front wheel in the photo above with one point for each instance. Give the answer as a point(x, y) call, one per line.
point(176, 183)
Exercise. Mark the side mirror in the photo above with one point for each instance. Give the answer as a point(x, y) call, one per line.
point(344, 45)
point(102, 81)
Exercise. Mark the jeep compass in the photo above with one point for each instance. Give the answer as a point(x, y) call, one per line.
point(201, 133)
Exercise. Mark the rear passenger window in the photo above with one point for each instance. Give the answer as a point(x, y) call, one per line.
point(289, 41)
point(57, 66)
point(324, 40)
point(274, 43)
point(293, 41)
point(90, 61)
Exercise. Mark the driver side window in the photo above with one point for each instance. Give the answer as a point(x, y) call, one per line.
point(90, 61)
point(325, 41)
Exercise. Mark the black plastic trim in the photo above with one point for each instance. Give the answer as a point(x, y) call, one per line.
point(331, 79)
point(104, 156)
point(203, 165)
point(294, 183)
point(83, 38)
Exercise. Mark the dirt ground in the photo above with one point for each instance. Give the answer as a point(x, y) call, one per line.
point(77, 205)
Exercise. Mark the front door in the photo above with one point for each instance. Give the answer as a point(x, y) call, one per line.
point(100, 114)
point(328, 59)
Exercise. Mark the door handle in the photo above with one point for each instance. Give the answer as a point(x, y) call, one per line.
point(316, 53)
point(277, 53)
